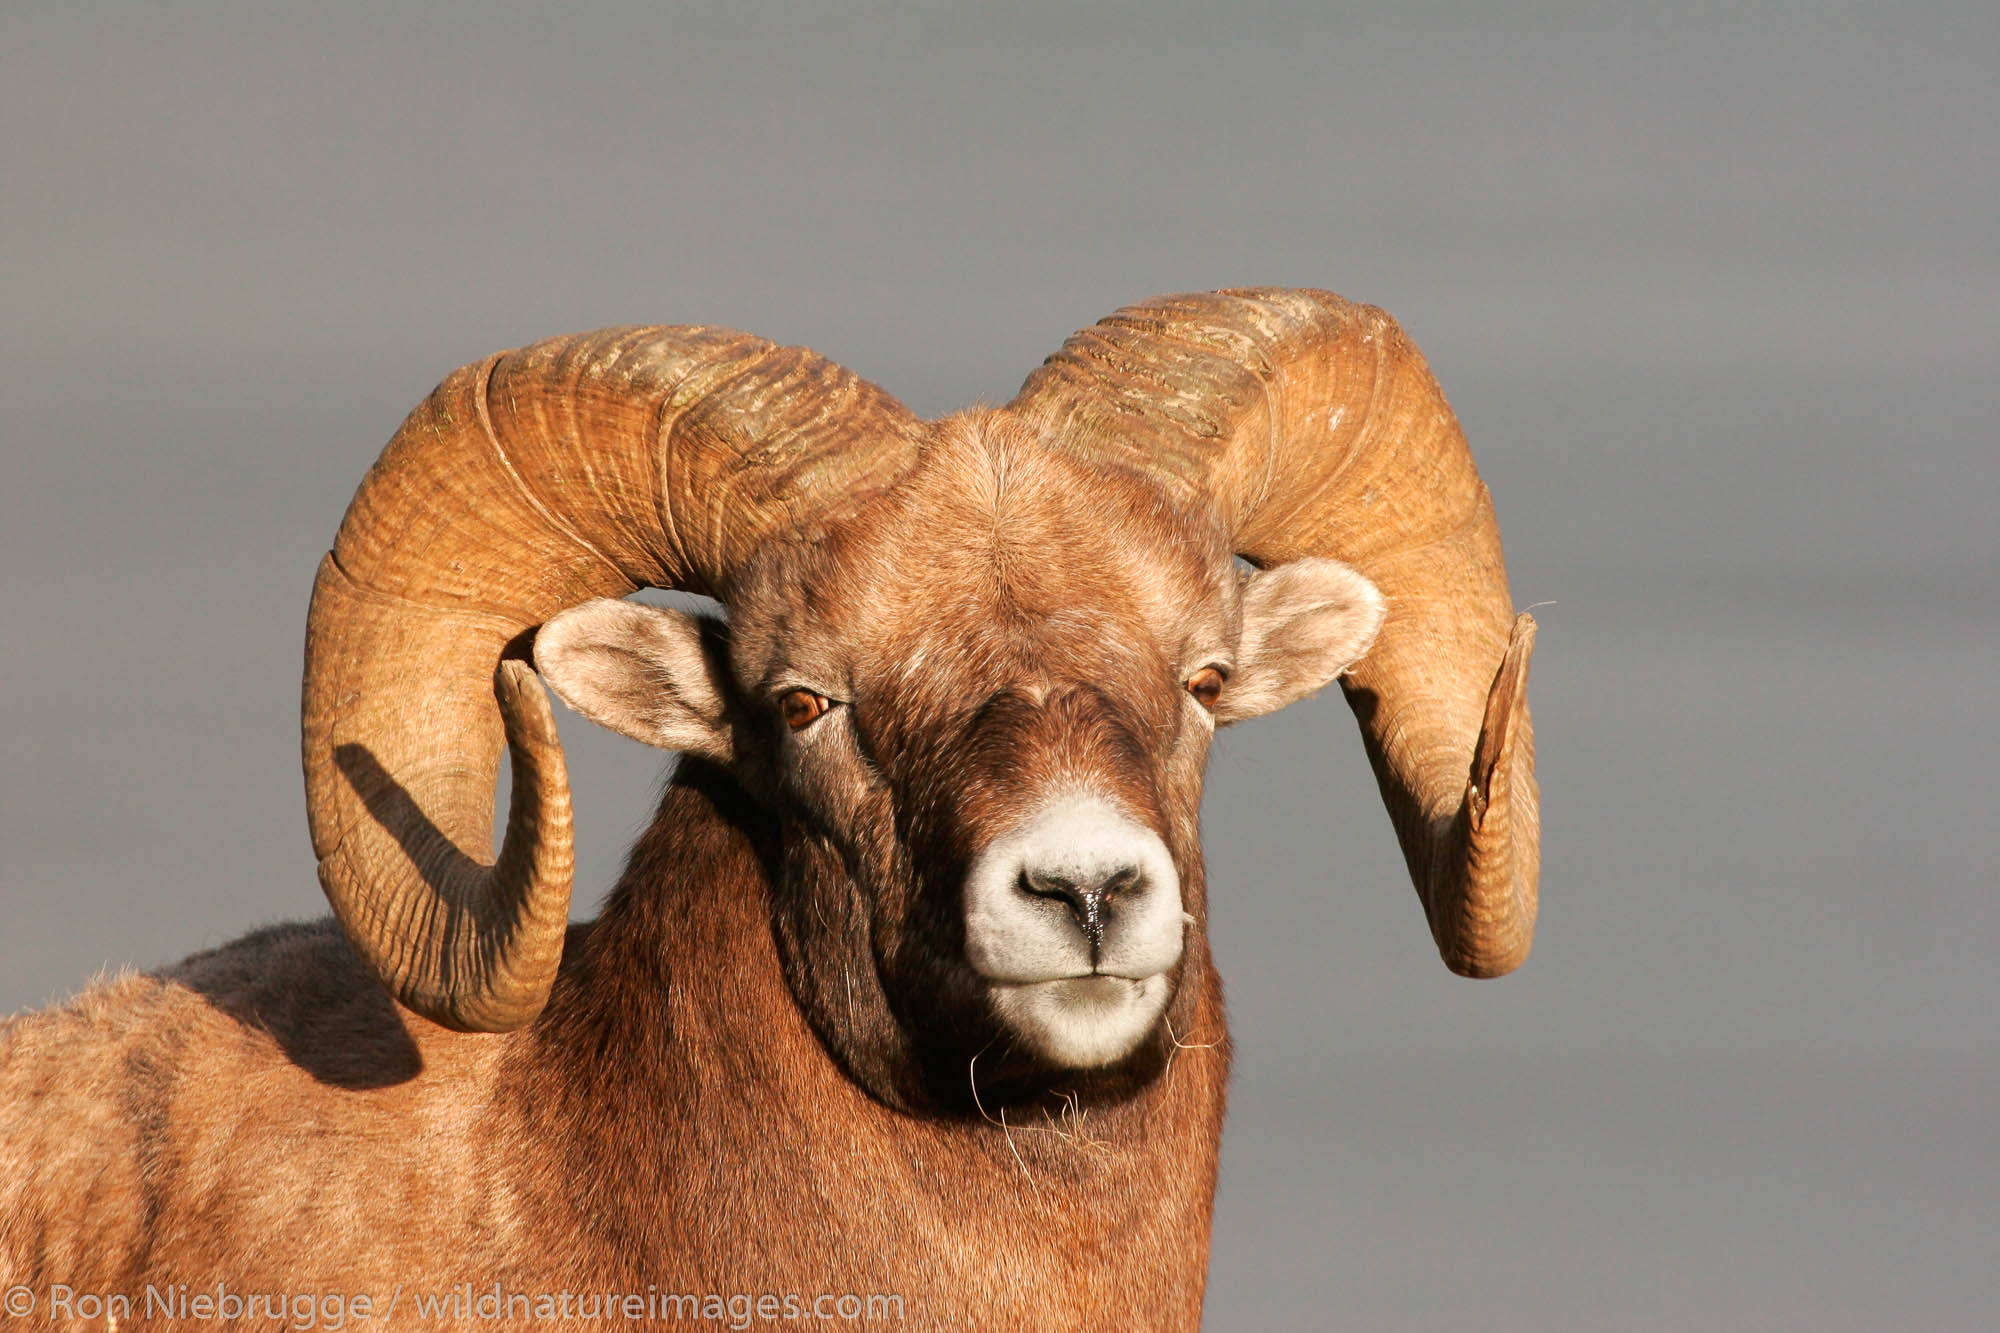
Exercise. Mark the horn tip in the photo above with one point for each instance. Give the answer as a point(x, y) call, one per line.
point(1486, 965)
point(524, 705)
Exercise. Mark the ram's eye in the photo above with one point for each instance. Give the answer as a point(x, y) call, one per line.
point(1206, 686)
point(802, 708)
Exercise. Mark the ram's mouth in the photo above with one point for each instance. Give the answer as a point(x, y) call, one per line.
point(1082, 1022)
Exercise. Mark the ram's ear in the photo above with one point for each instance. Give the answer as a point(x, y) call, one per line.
point(655, 675)
point(1303, 624)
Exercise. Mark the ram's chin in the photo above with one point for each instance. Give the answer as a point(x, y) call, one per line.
point(1082, 1022)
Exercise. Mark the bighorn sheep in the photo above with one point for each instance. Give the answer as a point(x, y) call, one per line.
point(906, 990)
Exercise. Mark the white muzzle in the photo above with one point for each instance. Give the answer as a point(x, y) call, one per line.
point(1074, 917)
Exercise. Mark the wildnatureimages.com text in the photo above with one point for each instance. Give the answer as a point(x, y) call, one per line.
point(334, 1310)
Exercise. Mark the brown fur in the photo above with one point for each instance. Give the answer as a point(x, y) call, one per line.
point(765, 1067)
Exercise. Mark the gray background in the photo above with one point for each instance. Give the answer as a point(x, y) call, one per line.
point(1713, 288)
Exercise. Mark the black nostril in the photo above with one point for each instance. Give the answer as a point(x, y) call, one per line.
point(1085, 897)
point(1119, 881)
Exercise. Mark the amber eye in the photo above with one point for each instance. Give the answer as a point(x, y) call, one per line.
point(1206, 687)
point(802, 708)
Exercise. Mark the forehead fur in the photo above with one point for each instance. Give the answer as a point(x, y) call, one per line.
point(988, 494)
point(999, 556)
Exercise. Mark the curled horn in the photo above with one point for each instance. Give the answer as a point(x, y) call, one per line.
point(1316, 428)
point(535, 480)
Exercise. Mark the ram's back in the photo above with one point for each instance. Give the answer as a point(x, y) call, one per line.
point(261, 1111)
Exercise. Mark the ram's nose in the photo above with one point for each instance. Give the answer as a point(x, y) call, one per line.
point(1078, 887)
point(1090, 896)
